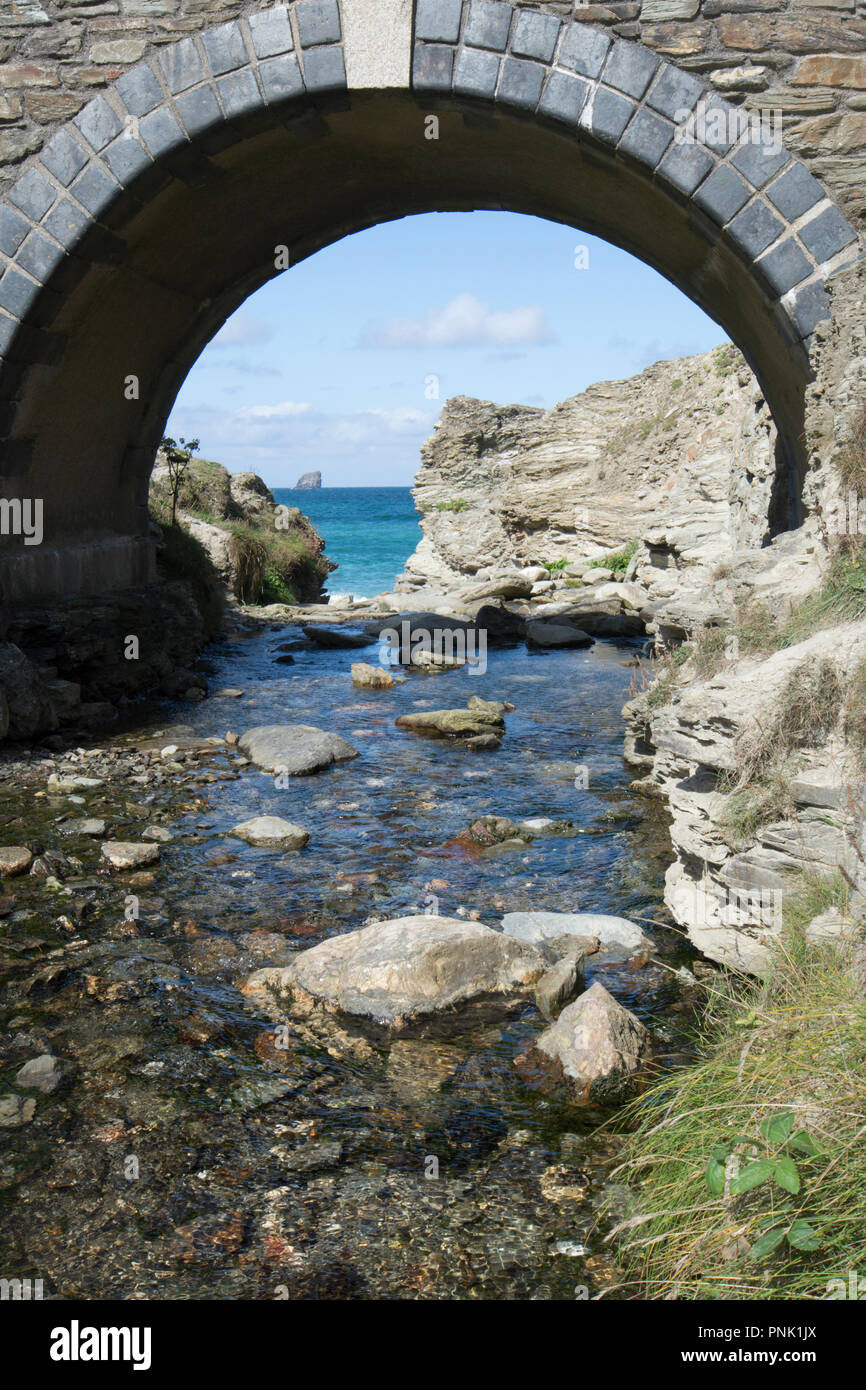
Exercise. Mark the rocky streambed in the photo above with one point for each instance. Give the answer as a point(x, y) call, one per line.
point(173, 1128)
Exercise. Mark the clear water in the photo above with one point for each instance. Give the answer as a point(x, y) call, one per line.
point(307, 1169)
point(369, 531)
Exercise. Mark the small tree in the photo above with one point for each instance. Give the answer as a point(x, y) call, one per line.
point(178, 453)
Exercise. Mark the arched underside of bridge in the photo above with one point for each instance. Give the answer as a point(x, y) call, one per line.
point(148, 220)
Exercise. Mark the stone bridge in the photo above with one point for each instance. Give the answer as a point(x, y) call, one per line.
point(155, 155)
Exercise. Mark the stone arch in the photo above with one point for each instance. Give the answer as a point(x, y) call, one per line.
point(150, 217)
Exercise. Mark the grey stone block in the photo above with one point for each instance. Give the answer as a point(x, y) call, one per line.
point(281, 78)
point(685, 166)
point(66, 223)
point(488, 24)
point(199, 110)
point(126, 158)
point(755, 229)
point(584, 50)
point(239, 94)
point(225, 49)
point(521, 82)
point(40, 257)
point(785, 266)
point(17, 293)
point(33, 194)
point(64, 157)
point(674, 92)
point(564, 97)
point(827, 234)
point(98, 123)
point(477, 72)
point(647, 137)
point(629, 68)
point(535, 36)
point(810, 306)
point(324, 69)
point(716, 123)
point(722, 195)
point(759, 160)
point(438, 20)
point(795, 192)
point(182, 65)
point(607, 116)
point(271, 32)
point(318, 22)
point(432, 66)
point(161, 133)
point(140, 90)
point(95, 189)
point(13, 229)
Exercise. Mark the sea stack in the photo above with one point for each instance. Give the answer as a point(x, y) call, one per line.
point(309, 480)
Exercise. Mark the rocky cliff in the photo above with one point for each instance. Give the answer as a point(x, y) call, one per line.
point(754, 732)
point(680, 459)
point(647, 505)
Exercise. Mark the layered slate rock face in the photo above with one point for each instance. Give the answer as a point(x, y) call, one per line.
point(680, 457)
point(409, 970)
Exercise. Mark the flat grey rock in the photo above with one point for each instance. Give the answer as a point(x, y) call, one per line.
point(294, 749)
point(271, 831)
point(410, 969)
point(542, 632)
point(617, 935)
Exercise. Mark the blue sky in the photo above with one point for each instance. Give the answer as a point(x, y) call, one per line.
point(335, 364)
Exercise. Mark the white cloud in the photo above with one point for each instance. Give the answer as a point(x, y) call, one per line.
point(242, 328)
point(464, 322)
point(283, 410)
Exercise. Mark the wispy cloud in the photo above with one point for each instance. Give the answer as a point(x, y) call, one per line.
point(242, 329)
point(283, 410)
point(292, 436)
point(464, 322)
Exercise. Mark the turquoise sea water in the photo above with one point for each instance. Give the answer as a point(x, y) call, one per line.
point(369, 531)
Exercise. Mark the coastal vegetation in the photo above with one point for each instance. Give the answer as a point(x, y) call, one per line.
point(261, 561)
point(749, 1164)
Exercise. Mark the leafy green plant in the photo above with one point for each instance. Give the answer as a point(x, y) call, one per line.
point(779, 1169)
point(794, 1040)
point(454, 504)
point(557, 566)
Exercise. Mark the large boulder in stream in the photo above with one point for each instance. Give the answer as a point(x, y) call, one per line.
point(407, 970)
point(599, 1046)
point(295, 750)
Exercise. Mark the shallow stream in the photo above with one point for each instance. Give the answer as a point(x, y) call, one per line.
point(184, 1155)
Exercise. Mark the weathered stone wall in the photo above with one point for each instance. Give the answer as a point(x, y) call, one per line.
point(804, 58)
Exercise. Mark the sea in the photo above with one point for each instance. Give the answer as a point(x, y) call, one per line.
point(369, 531)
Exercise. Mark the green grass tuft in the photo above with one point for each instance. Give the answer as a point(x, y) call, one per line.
point(794, 1044)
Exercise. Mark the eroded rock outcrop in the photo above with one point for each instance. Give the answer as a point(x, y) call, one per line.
point(678, 463)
